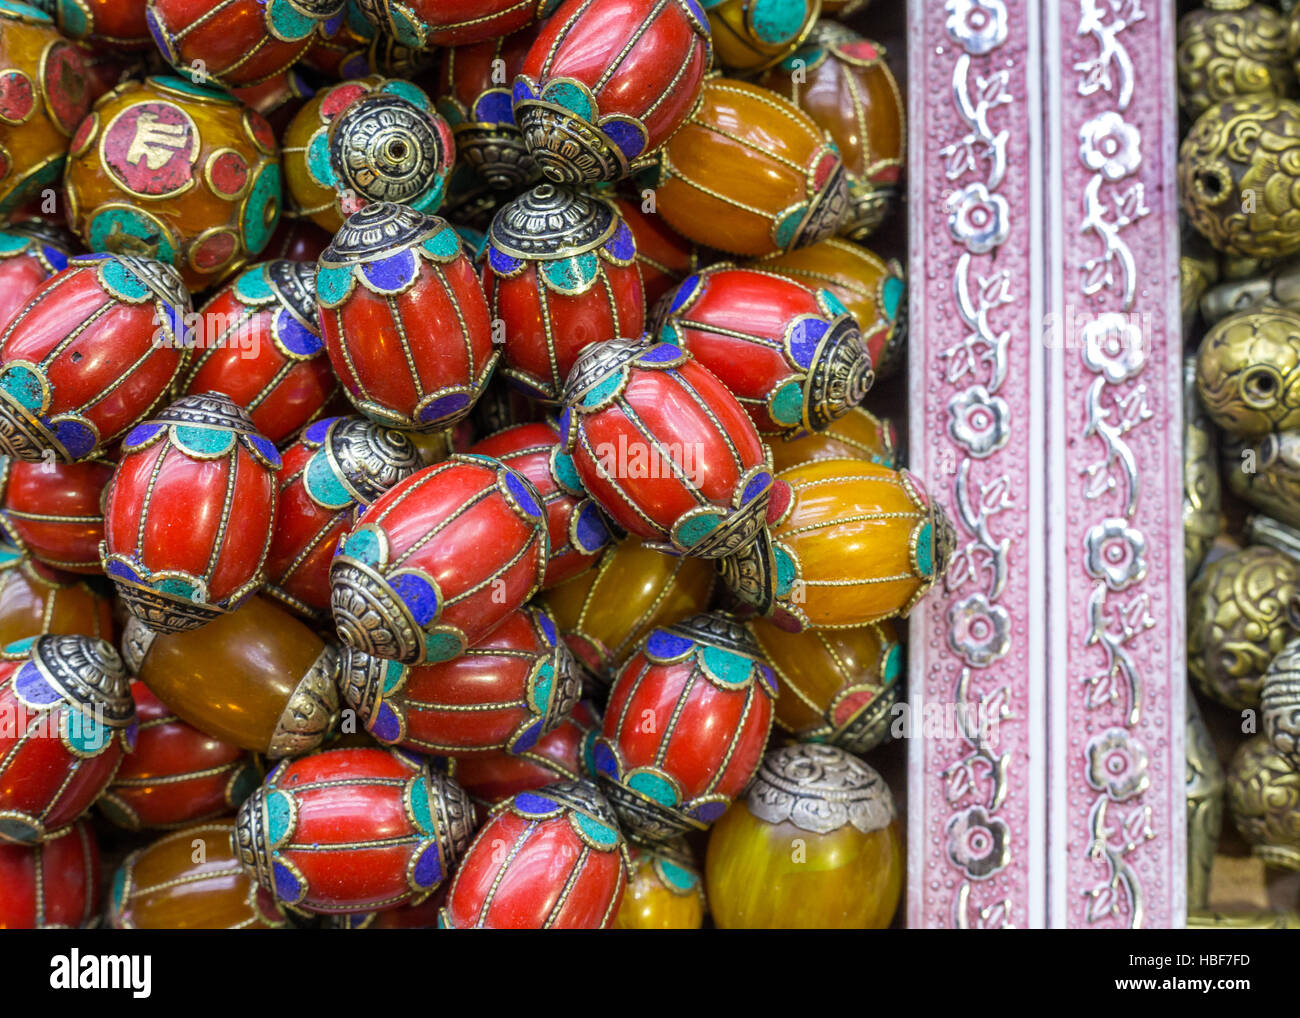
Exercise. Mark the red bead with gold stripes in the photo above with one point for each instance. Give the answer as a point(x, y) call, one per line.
point(424, 24)
point(53, 885)
point(31, 251)
point(52, 511)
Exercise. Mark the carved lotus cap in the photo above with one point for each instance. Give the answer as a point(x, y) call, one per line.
point(85, 672)
point(370, 457)
point(552, 221)
point(376, 230)
point(820, 789)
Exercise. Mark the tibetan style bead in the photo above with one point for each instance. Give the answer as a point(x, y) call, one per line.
point(606, 612)
point(1248, 372)
point(423, 916)
point(1244, 153)
point(1202, 486)
point(336, 466)
point(792, 356)
point(162, 887)
point(404, 317)
point(357, 48)
point(848, 89)
point(424, 24)
point(439, 561)
point(367, 141)
point(258, 341)
point(1278, 287)
point(353, 830)
point(552, 859)
point(115, 24)
point(53, 885)
point(814, 844)
point(36, 600)
point(561, 755)
point(666, 450)
point(687, 720)
point(176, 774)
point(607, 82)
point(238, 42)
point(860, 543)
point(171, 170)
point(560, 275)
point(750, 35)
point(89, 354)
point(1279, 702)
point(874, 291)
point(201, 461)
point(834, 686)
point(1265, 474)
point(1264, 802)
point(1228, 49)
point(256, 678)
point(859, 434)
point(278, 99)
point(1241, 611)
point(51, 511)
point(474, 98)
point(751, 173)
point(503, 693)
point(31, 251)
point(664, 890)
point(577, 528)
point(1205, 792)
point(69, 719)
point(663, 255)
point(45, 95)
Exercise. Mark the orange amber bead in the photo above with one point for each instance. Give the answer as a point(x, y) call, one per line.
point(815, 844)
point(859, 434)
point(604, 612)
point(849, 90)
point(749, 35)
point(874, 291)
point(837, 686)
point(750, 173)
point(664, 891)
point(190, 879)
point(256, 678)
point(36, 600)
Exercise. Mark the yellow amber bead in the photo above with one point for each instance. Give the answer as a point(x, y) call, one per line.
point(815, 844)
point(859, 434)
point(664, 891)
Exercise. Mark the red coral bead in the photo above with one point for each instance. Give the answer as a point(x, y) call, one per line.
point(31, 251)
point(54, 885)
point(665, 448)
point(607, 81)
point(66, 719)
point(684, 731)
point(664, 256)
point(552, 859)
point(353, 830)
point(793, 356)
point(578, 531)
point(439, 561)
point(404, 317)
point(52, 511)
point(189, 512)
point(424, 24)
point(89, 354)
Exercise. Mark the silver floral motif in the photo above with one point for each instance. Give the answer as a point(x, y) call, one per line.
point(978, 219)
point(1115, 346)
point(1117, 765)
point(979, 422)
point(1111, 146)
point(820, 789)
point(1115, 553)
point(978, 843)
point(980, 26)
point(979, 631)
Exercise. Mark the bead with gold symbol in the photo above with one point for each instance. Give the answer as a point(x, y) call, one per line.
point(1248, 372)
point(664, 890)
point(815, 844)
point(1228, 49)
point(1264, 802)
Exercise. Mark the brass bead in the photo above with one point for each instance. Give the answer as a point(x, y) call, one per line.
point(1278, 287)
point(1264, 802)
point(1227, 50)
point(1248, 372)
point(1266, 474)
point(1202, 489)
point(1205, 784)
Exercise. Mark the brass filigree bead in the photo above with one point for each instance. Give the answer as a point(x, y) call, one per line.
point(1248, 372)
point(1205, 784)
point(1241, 611)
point(1202, 489)
point(1264, 802)
point(1278, 287)
point(1266, 474)
point(1231, 48)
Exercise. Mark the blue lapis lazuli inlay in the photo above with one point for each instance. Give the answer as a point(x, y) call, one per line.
point(296, 337)
point(757, 485)
point(667, 646)
point(532, 803)
point(804, 340)
point(393, 274)
point(418, 595)
point(522, 494)
point(33, 688)
point(494, 108)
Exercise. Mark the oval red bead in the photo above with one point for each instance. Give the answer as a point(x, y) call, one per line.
point(52, 511)
point(53, 885)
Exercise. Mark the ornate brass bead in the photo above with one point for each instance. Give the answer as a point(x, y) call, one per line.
point(1279, 287)
point(1202, 489)
point(1231, 48)
point(1205, 784)
point(1264, 802)
point(1239, 176)
point(1280, 703)
point(1267, 474)
point(1248, 372)
point(1241, 611)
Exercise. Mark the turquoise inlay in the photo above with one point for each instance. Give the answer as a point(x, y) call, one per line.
point(785, 571)
point(24, 385)
point(421, 807)
point(119, 889)
point(12, 243)
point(116, 221)
point(572, 274)
point(252, 287)
point(441, 646)
point(697, 528)
point(654, 786)
point(20, 646)
point(72, 19)
point(245, 783)
point(279, 816)
point(85, 734)
point(588, 751)
point(363, 545)
point(413, 94)
point(394, 672)
point(598, 393)
point(318, 159)
point(444, 245)
point(406, 26)
point(668, 334)
point(925, 551)
point(176, 587)
point(289, 23)
point(542, 687)
point(788, 227)
point(803, 57)
point(357, 21)
point(121, 279)
point(323, 484)
point(778, 21)
point(787, 404)
point(569, 95)
point(892, 294)
point(263, 196)
point(8, 553)
point(204, 441)
point(727, 666)
point(678, 877)
point(430, 198)
point(182, 84)
point(25, 10)
point(602, 834)
point(566, 471)
point(892, 666)
point(449, 112)
point(333, 284)
point(833, 303)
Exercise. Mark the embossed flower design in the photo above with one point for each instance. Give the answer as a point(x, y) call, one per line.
point(1114, 345)
point(978, 843)
point(1109, 145)
point(978, 631)
point(978, 25)
point(978, 219)
point(1115, 553)
point(1117, 765)
point(980, 423)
